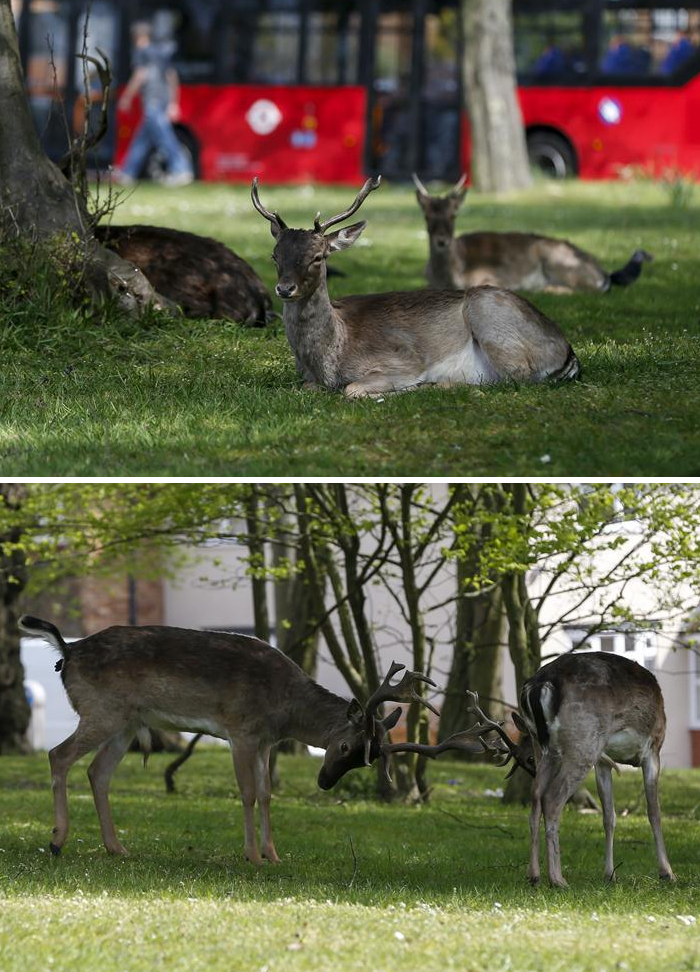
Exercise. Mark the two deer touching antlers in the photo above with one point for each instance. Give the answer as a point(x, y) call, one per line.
point(374, 343)
point(581, 710)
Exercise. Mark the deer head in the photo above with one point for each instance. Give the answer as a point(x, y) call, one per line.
point(440, 211)
point(300, 255)
point(361, 741)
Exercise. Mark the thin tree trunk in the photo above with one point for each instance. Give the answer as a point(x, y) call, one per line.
point(14, 708)
point(499, 161)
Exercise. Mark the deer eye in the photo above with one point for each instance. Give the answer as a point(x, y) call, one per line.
point(316, 259)
point(344, 748)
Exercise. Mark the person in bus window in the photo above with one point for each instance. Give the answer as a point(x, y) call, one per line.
point(155, 80)
point(551, 62)
point(678, 53)
point(622, 57)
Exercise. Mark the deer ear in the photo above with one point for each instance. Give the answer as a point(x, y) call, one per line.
point(390, 721)
point(355, 712)
point(519, 722)
point(345, 237)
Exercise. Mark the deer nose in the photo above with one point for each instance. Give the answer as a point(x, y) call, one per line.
point(286, 290)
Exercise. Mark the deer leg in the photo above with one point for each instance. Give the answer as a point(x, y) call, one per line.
point(562, 785)
point(61, 758)
point(100, 773)
point(244, 758)
point(603, 779)
point(263, 789)
point(379, 382)
point(650, 769)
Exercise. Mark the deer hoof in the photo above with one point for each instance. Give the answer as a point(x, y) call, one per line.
point(667, 876)
point(118, 850)
point(534, 879)
point(558, 883)
point(55, 849)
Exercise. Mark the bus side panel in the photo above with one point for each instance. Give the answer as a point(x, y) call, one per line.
point(282, 134)
point(612, 128)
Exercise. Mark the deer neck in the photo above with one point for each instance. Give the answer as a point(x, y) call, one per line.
point(317, 336)
point(442, 266)
point(316, 717)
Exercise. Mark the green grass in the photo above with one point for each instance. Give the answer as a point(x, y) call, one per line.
point(431, 888)
point(206, 398)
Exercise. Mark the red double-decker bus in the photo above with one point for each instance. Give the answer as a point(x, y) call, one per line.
point(332, 90)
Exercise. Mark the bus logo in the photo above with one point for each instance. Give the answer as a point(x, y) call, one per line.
point(263, 116)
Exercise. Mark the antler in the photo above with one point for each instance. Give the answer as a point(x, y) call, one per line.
point(470, 741)
point(273, 217)
point(511, 750)
point(321, 227)
point(419, 185)
point(458, 185)
point(403, 691)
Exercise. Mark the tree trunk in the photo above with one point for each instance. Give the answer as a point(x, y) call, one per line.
point(499, 161)
point(14, 708)
point(476, 662)
point(37, 203)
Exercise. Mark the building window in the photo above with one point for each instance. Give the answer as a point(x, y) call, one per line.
point(694, 691)
point(640, 646)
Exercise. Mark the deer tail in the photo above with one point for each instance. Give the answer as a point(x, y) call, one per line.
point(48, 631)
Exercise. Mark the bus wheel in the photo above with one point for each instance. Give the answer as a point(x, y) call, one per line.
point(552, 154)
point(154, 167)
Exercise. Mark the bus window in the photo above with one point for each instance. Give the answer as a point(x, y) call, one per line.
point(550, 44)
point(275, 55)
point(650, 41)
point(46, 81)
point(440, 102)
point(391, 121)
point(191, 28)
point(332, 47)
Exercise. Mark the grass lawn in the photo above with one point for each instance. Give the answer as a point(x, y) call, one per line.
point(204, 398)
point(362, 886)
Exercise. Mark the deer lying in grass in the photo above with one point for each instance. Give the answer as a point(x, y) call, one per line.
point(521, 261)
point(583, 710)
point(201, 276)
point(123, 680)
point(373, 343)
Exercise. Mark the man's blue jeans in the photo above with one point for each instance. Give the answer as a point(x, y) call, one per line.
point(155, 132)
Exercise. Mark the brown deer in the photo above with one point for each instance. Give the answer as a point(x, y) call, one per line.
point(582, 710)
point(123, 680)
point(374, 343)
point(199, 275)
point(521, 261)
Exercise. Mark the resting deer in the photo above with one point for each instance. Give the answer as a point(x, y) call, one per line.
point(522, 261)
point(373, 343)
point(584, 710)
point(201, 276)
point(124, 680)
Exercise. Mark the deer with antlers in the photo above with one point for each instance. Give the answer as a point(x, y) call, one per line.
point(522, 261)
point(581, 711)
point(125, 680)
point(373, 343)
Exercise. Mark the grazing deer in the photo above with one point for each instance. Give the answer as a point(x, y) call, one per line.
point(373, 343)
point(123, 680)
point(521, 261)
point(583, 710)
point(201, 276)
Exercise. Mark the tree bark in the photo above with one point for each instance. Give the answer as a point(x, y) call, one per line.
point(499, 160)
point(14, 708)
point(37, 203)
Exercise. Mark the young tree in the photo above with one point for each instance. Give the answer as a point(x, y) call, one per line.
point(499, 158)
point(38, 204)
